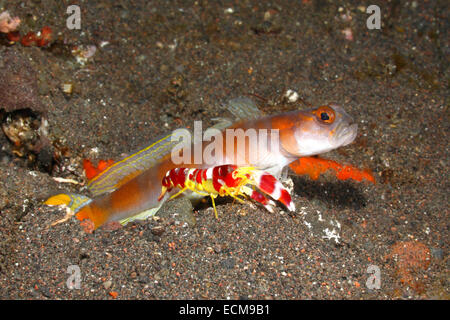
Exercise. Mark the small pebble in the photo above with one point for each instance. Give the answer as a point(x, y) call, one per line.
point(158, 230)
point(217, 248)
point(228, 263)
point(107, 284)
point(437, 253)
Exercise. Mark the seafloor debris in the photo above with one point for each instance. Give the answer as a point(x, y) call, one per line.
point(23, 128)
point(28, 133)
point(315, 166)
point(40, 39)
point(22, 115)
point(7, 23)
point(18, 83)
point(272, 23)
point(83, 53)
point(348, 33)
point(412, 259)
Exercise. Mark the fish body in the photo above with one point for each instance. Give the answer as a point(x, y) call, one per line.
point(130, 189)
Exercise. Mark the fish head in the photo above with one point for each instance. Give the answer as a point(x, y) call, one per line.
point(321, 130)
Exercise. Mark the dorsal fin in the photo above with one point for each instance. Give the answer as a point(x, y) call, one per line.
point(243, 108)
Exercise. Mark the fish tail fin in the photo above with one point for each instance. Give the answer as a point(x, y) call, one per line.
point(75, 202)
point(72, 201)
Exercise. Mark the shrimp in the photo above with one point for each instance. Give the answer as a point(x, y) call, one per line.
point(228, 180)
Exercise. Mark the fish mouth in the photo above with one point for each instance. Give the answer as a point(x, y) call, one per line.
point(346, 134)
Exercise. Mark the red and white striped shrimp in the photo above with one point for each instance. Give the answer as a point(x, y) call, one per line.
point(228, 180)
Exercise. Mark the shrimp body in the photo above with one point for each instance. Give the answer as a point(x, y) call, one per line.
point(228, 180)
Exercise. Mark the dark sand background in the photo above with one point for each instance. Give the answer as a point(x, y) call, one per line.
point(160, 65)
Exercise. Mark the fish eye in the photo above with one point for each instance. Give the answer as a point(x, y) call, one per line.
point(325, 114)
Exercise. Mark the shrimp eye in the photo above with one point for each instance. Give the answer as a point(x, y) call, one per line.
point(325, 114)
